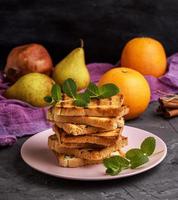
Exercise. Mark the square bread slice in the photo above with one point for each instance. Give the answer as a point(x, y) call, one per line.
point(86, 139)
point(100, 122)
point(74, 145)
point(88, 154)
point(109, 107)
point(102, 133)
point(72, 161)
point(78, 129)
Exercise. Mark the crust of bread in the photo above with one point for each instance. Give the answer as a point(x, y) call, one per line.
point(88, 154)
point(110, 107)
point(72, 162)
point(78, 129)
point(75, 145)
point(101, 122)
point(104, 139)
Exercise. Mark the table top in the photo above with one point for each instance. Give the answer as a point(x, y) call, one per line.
point(19, 181)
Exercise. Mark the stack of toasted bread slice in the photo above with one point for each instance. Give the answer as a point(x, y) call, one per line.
point(85, 136)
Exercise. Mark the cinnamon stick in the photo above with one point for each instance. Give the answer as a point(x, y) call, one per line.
point(170, 113)
point(169, 104)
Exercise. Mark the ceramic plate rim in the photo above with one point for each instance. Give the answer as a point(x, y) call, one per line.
point(98, 178)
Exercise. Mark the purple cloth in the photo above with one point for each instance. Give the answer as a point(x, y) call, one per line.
point(168, 83)
point(18, 118)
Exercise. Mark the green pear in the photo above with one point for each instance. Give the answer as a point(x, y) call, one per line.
point(73, 66)
point(31, 88)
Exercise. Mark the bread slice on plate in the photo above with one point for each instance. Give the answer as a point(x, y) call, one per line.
point(110, 107)
point(78, 129)
point(72, 161)
point(88, 154)
point(101, 122)
point(60, 144)
point(85, 139)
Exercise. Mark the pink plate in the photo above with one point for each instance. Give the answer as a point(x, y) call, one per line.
point(36, 154)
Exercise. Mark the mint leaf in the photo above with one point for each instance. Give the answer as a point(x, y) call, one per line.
point(138, 161)
point(115, 164)
point(136, 157)
point(105, 91)
point(113, 172)
point(148, 145)
point(108, 90)
point(112, 166)
point(48, 99)
point(82, 99)
point(56, 92)
point(115, 161)
point(70, 88)
point(92, 90)
point(132, 152)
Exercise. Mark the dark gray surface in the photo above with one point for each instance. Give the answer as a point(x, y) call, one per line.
point(19, 181)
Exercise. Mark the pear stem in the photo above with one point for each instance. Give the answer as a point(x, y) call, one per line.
point(81, 43)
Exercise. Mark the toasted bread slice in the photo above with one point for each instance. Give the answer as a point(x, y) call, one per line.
point(75, 145)
point(88, 154)
point(101, 122)
point(101, 140)
point(113, 133)
point(78, 129)
point(110, 107)
point(103, 133)
point(72, 162)
point(85, 139)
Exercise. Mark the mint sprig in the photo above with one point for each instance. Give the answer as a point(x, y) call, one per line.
point(82, 99)
point(69, 87)
point(56, 93)
point(115, 164)
point(92, 90)
point(108, 90)
point(48, 99)
point(105, 91)
point(148, 146)
point(134, 157)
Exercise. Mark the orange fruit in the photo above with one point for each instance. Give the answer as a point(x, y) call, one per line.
point(145, 55)
point(132, 85)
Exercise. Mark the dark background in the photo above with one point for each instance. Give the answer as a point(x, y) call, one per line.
point(104, 25)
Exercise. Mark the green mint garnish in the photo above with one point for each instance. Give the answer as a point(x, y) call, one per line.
point(105, 91)
point(148, 145)
point(108, 90)
point(48, 99)
point(69, 87)
point(82, 99)
point(93, 90)
point(134, 158)
point(56, 93)
point(115, 164)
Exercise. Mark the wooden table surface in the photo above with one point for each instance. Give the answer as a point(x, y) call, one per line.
point(20, 182)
